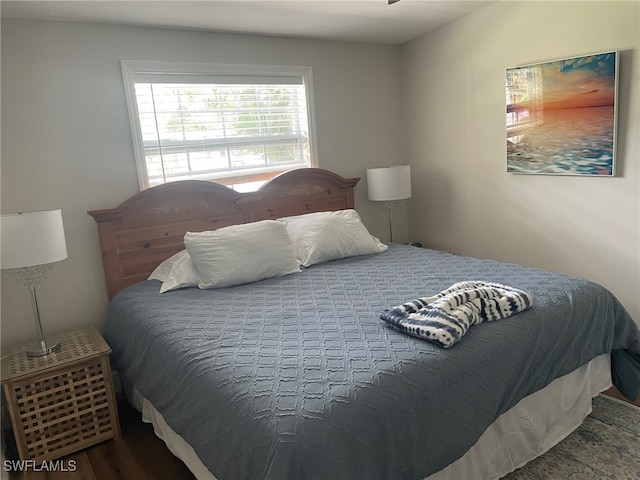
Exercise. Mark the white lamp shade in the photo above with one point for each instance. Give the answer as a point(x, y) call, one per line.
point(389, 183)
point(32, 238)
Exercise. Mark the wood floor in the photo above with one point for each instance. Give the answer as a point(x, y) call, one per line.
point(138, 455)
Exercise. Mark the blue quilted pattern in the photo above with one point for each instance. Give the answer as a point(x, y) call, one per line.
point(296, 377)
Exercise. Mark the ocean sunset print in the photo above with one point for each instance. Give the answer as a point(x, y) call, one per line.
point(561, 116)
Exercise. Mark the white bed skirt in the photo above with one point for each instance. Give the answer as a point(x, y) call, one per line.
point(521, 434)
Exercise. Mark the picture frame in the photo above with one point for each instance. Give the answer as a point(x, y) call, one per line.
point(562, 116)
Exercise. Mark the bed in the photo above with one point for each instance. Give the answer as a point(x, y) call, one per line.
point(297, 377)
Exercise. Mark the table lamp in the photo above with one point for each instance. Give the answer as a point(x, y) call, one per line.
point(31, 242)
point(390, 185)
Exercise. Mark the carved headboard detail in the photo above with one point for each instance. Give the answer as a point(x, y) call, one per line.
point(149, 227)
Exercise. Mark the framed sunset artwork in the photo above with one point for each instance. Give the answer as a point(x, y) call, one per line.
point(561, 116)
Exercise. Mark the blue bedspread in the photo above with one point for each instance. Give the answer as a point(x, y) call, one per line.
point(297, 377)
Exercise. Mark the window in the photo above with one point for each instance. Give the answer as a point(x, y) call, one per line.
point(524, 101)
point(239, 125)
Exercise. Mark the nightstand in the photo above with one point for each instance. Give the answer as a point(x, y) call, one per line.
point(62, 402)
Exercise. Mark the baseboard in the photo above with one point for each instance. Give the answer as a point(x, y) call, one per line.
point(613, 392)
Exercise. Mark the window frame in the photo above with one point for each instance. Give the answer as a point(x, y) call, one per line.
point(130, 68)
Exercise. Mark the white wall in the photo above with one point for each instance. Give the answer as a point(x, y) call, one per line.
point(66, 141)
point(454, 116)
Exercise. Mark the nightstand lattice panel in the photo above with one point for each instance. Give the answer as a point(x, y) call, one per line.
point(63, 410)
point(74, 345)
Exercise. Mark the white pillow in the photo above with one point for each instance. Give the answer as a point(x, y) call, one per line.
point(324, 236)
point(241, 253)
point(176, 272)
point(162, 270)
point(183, 274)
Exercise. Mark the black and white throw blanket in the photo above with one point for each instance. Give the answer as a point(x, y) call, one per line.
point(447, 316)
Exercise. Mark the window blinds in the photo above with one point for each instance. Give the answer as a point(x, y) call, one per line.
point(220, 126)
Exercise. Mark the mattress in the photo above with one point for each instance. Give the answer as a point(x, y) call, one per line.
point(296, 377)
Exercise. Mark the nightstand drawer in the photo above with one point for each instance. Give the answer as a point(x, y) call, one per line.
point(63, 408)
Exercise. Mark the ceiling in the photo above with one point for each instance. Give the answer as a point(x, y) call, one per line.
point(351, 20)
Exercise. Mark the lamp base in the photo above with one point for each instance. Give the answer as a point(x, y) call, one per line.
point(40, 349)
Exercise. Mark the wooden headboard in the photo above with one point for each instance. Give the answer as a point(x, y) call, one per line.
point(149, 227)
